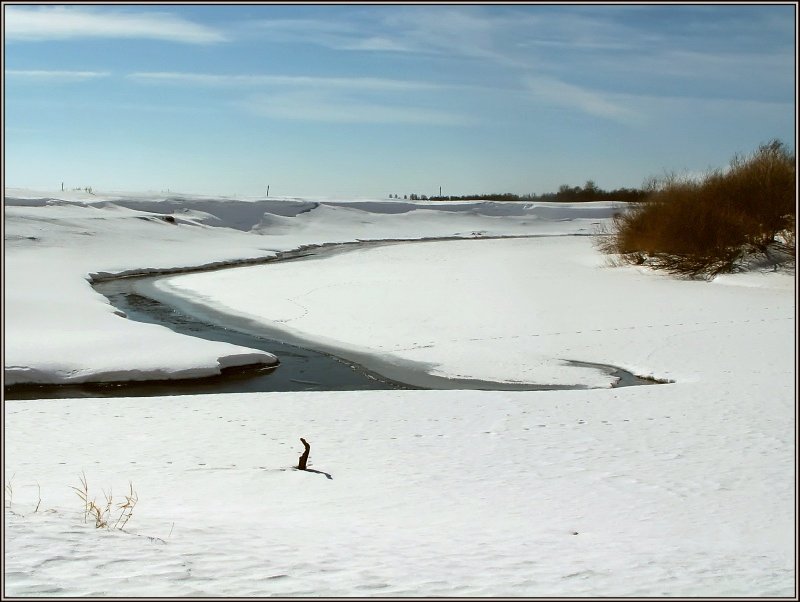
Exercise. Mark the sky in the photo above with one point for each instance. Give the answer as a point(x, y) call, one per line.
point(373, 100)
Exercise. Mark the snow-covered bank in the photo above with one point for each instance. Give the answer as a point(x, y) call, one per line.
point(507, 310)
point(61, 331)
point(673, 490)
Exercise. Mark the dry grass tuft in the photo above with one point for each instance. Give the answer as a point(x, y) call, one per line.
point(104, 516)
point(9, 489)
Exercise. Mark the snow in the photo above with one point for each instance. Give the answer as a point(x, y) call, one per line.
point(58, 244)
point(681, 489)
point(62, 331)
point(503, 310)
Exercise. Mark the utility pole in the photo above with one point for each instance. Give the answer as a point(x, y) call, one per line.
point(440, 191)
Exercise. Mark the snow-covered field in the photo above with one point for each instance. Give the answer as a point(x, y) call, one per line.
point(52, 247)
point(681, 489)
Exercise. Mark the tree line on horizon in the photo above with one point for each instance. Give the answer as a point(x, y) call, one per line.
point(566, 194)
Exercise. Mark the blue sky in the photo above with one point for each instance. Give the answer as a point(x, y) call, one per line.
point(372, 100)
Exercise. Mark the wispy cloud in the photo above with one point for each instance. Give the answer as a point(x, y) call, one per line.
point(64, 23)
point(705, 104)
point(364, 33)
point(334, 34)
point(689, 46)
point(479, 34)
point(326, 99)
point(559, 93)
point(339, 108)
point(706, 63)
point(56, 76)
point(422, 30)
point(264, 80)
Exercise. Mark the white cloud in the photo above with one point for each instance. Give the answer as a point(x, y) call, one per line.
point(56, 76)
point(63, 23)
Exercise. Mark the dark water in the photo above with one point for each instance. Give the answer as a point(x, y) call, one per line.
point(300, 369)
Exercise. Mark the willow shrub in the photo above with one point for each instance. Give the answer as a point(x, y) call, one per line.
point(704, 227)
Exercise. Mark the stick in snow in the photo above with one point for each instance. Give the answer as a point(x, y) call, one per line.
point(304, 457)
